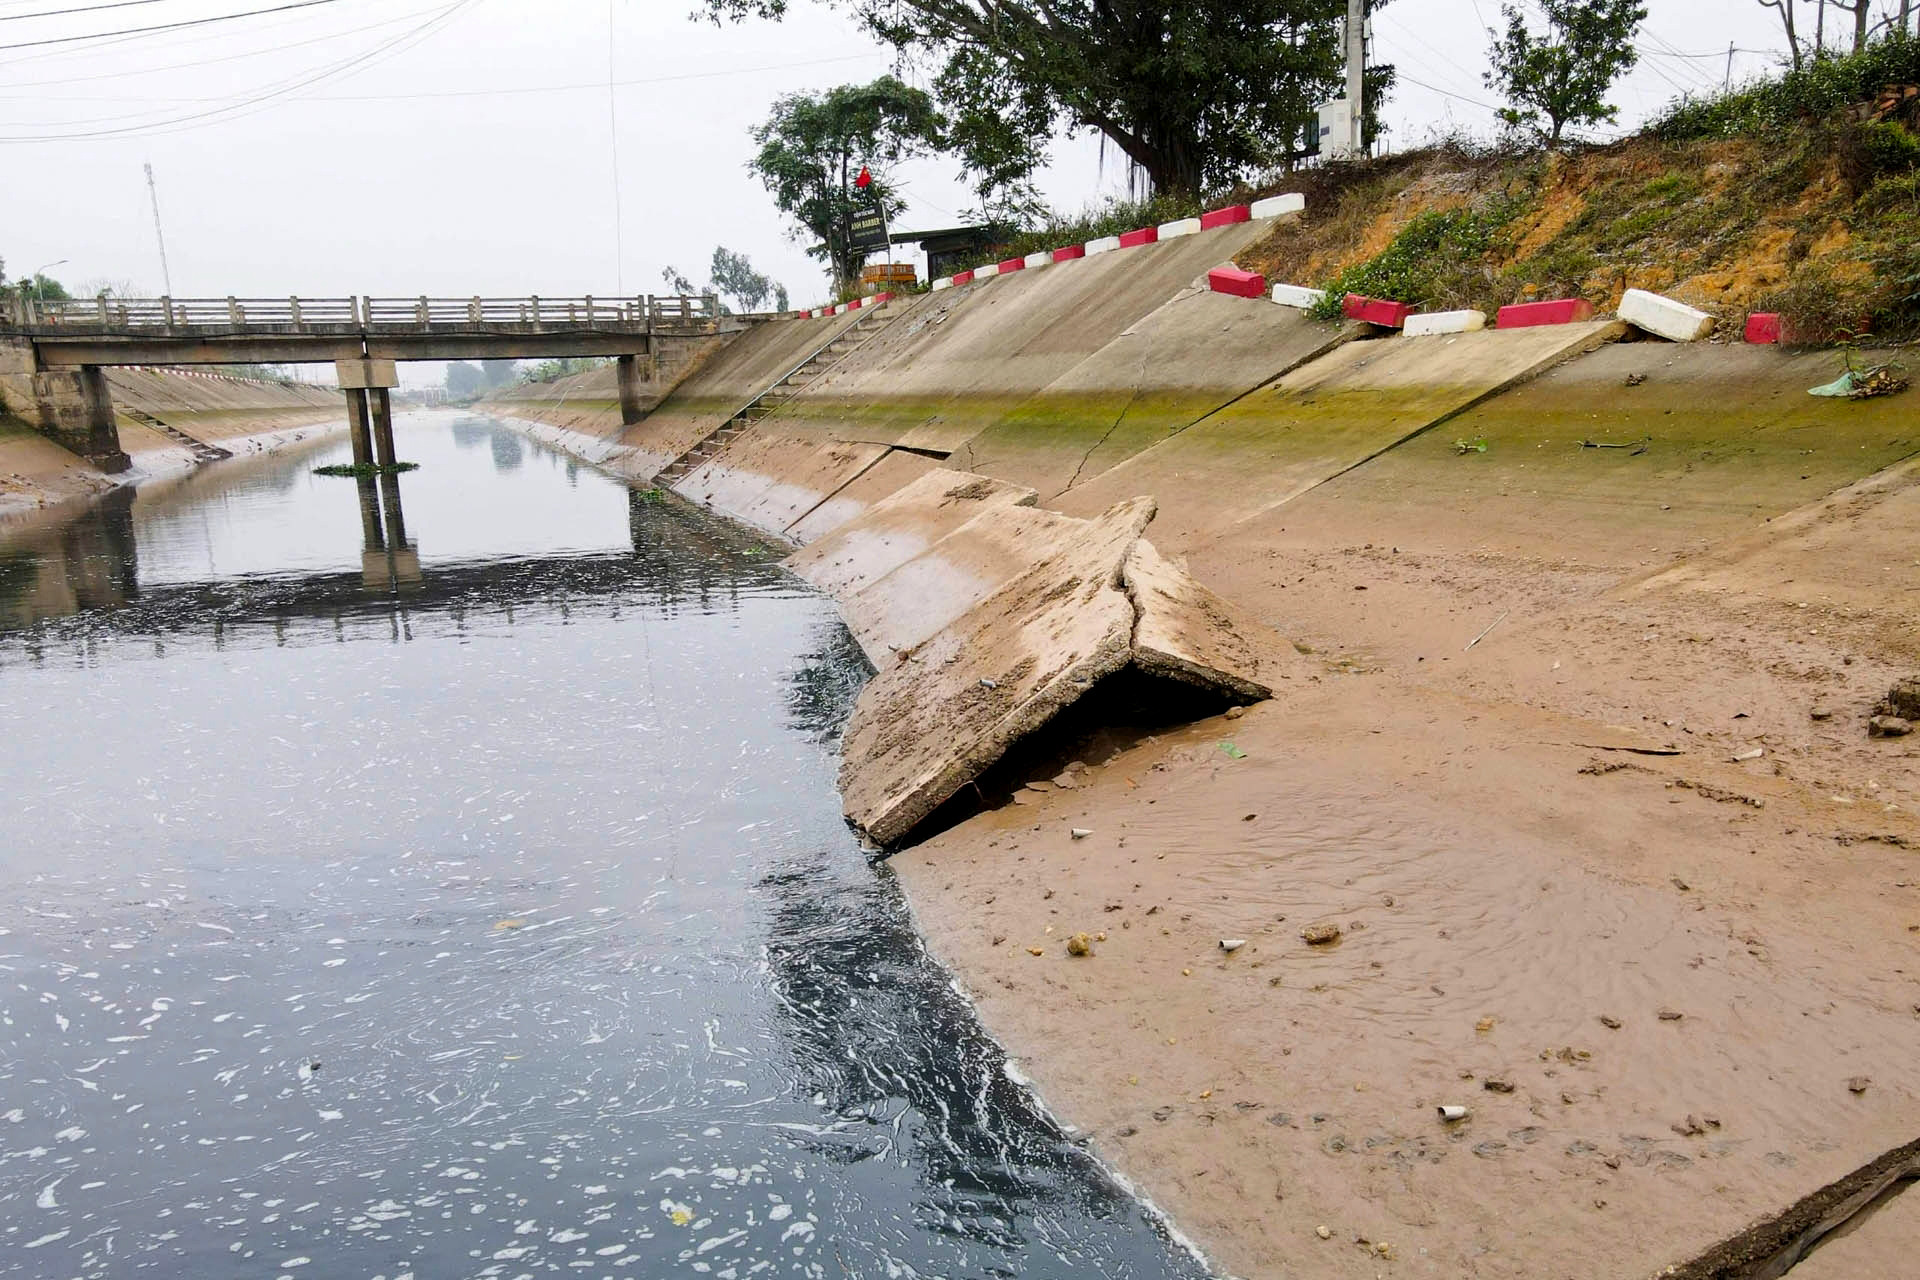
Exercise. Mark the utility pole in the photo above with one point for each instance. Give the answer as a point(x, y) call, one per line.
point(153, 195)
point(1356, 77)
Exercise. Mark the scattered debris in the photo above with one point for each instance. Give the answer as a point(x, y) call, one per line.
point(1317, 935)
point(1452, 1114)
point(1484, 1025)
point(989, 684)
point(1323, 1231)
point(1476, 445)
point(1637, 446)
point(1889, 727)
point(1036, 951)
point(1079, 833)
point(1635, 379)
point(1821, 713)
point(1858, 1084)
point(1079, 945)
point(1234, 713)
point(1489, 631)
point(1231, 945)
point(1751, 753)
point(1689, 1128)
point(1902, 700)
point(1719, 794)
point(1638, 751)
point(1671, 1015)
point(1233, 752)
point(1610, 1022)
point(1497, 1084)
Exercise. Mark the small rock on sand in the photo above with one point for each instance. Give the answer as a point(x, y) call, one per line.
point(1889, 727)
point(1324, 1232)
point(1234, 713)
point(1079, 945)
point(1610, 1022)
point(1318, 935)
point(1903, 700)
point(1671, 1015)
point(1497, 1084)
point(1858, 1084)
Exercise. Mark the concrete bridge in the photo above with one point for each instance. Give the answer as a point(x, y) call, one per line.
point(63, 346)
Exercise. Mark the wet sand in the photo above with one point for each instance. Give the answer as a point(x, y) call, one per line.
point(1507, 888)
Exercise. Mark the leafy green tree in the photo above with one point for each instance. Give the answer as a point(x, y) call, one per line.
point(1562, 77)
point(734, 277)
point(498, 373)
point(678, 283)
point(812, 148)
point(464, 379)
point(1194, 93)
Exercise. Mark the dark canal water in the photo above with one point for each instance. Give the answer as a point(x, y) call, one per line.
point(471, 900)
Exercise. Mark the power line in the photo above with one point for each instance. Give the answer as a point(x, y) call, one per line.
point(61, 13)
point(1448, 93)
point(194, 119)
point(166, 26)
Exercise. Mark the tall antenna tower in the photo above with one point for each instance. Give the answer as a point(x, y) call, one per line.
point(153, 196)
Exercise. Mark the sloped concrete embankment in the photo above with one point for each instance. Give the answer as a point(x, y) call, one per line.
point(234, 414)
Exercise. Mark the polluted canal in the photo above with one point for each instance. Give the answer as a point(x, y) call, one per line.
point(461, 890)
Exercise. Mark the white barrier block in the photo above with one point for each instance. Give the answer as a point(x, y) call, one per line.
point(1174, 230)
point(1042, 259)
point(1663, 317)
point(1427, 324)
point(1292, 295)
point(990, 270)
point(1276, 206)
point(840, 310)
point(944, 282)
point(1105, 244)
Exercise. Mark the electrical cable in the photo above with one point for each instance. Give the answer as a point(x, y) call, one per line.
point(167, 26)
point(193, 120)
point(61, 13)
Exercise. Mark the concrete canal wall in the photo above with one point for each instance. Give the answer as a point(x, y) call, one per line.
point(1571, 637)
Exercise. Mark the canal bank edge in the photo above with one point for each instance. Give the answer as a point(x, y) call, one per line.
point(1502, 629)
point(228, 414)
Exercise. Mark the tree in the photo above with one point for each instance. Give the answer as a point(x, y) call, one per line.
point(1193, 92)
point(678, 283)
point(813, 147)
point(498, 373)
point(1565, 74)
point(464, 380)
point(734, 277)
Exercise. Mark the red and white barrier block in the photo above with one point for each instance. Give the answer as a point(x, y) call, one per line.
point(1434, 323)
point(1279, 206)
point(1237, 283)
point(1174, 230)
point(1663, 317)
point(1527, 315)
point(1377, 311)
point(1293, 295)
point(1764, 328)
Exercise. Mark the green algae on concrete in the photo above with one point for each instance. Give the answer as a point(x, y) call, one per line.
point(1322, 419)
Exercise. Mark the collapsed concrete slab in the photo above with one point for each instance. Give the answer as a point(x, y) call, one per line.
point(1099, 600)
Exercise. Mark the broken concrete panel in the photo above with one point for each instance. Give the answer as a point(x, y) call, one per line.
point(931, 722)
point(1185, 632)
point(900, 526)
point(911, 603)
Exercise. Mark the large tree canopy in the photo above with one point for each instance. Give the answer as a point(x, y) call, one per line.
point(812, 148)
point(1562, 77)
point(1194, 92)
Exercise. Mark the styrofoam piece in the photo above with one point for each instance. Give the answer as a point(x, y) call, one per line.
point(944, 282)
point(987, 272)
point(1105, 244)
point(1293, 295)
point(1428, 324)
point(1663, 317)
point(1042, 259)
point(1174, 230)
point(1277, 206)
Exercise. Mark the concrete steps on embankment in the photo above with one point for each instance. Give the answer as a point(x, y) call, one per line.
point(202, 452)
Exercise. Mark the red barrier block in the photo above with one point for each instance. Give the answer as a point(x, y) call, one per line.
point(1069, 253)
point(1381, 311)
point(1764, 327)
point(1240, 284)
point(1226, 217)
point(1525, 315)
point(1013, 264)
point(1134, 239)
point(962, 277)
point(879, 299)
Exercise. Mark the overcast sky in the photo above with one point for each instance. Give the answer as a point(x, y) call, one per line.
point(455, 147)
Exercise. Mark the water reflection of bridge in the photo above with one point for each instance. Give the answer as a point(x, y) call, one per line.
point(74, 586)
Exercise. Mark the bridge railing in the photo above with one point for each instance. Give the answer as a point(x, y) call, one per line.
point(296, 315)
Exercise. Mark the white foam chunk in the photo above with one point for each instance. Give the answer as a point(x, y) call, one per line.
point(944, 282)
point(1041, 259)
point(1427, 324)
point(1663, 317)
point(1293, 295)
point(1105, 244)
point(1276, 206)
point(1174, 230)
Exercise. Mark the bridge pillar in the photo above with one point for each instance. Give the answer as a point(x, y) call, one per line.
point(369, 407)
point(630, 379)
point(76, 410)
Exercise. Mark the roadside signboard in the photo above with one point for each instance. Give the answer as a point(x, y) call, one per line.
point(867, 231)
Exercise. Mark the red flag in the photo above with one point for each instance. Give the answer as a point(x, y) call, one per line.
point(865, 179)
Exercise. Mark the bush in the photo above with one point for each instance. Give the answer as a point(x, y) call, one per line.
point(1436, 257)
point(1818, 89)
